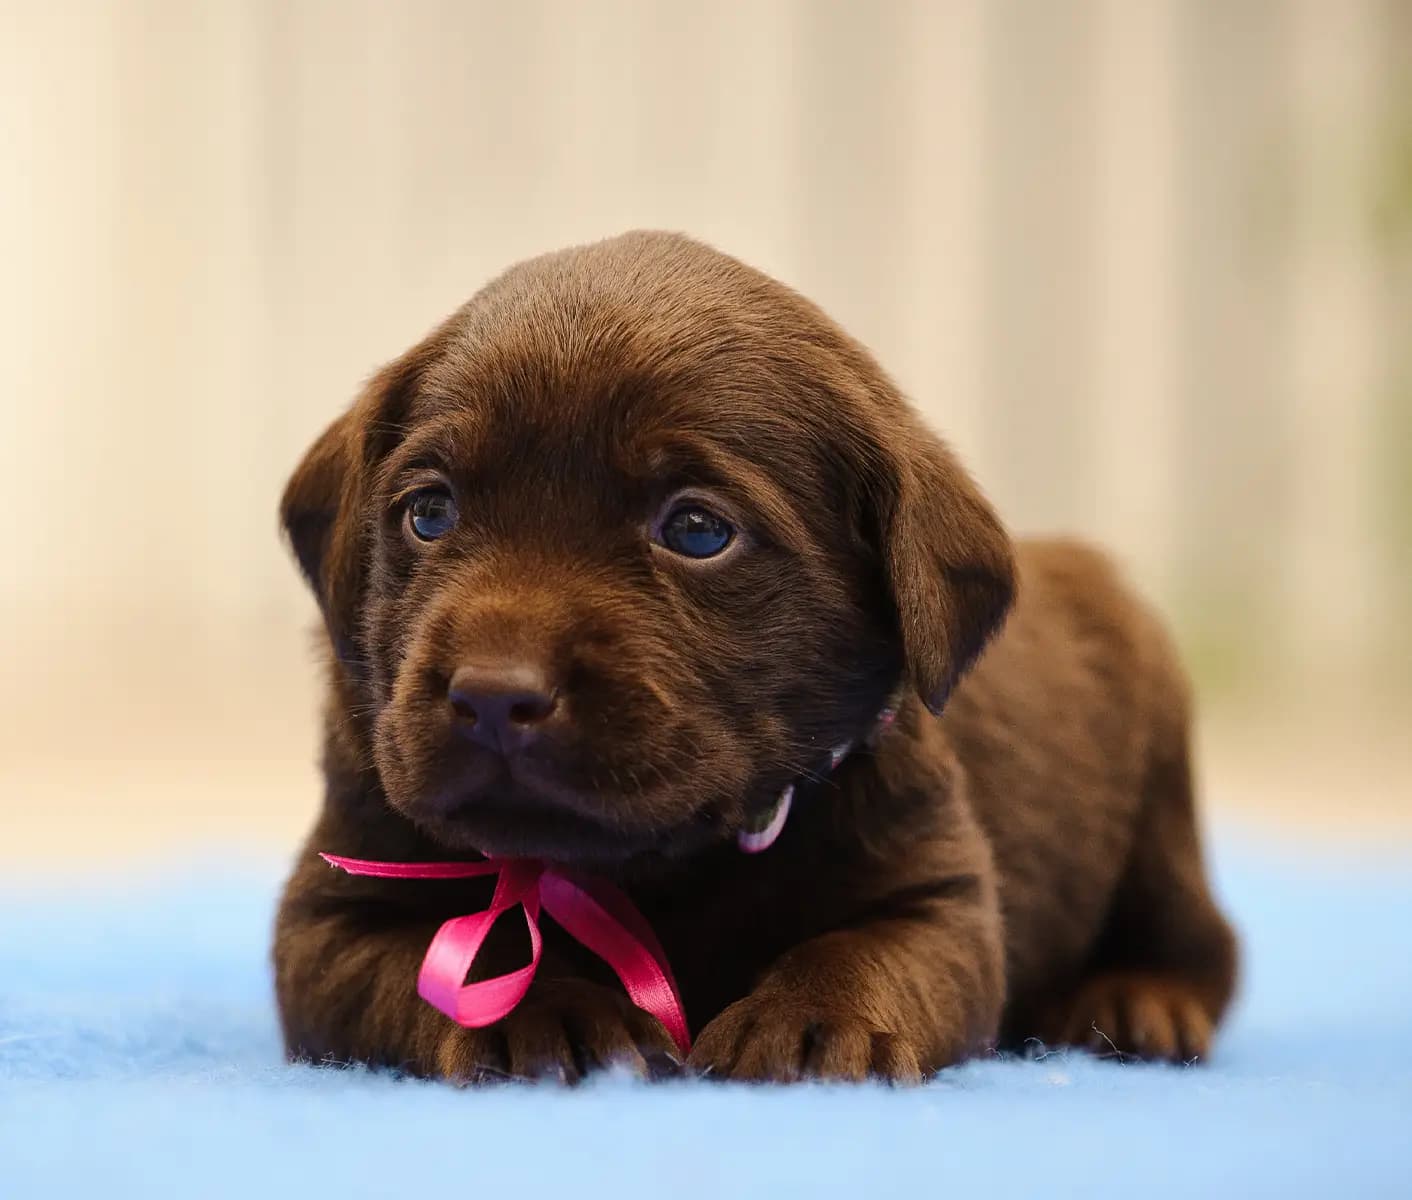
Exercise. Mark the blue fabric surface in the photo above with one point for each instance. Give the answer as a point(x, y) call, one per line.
point(139, 1057)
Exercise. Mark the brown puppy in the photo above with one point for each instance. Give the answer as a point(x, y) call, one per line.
point(614, 558)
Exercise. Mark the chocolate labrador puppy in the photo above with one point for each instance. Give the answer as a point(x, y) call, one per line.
point(626, 567)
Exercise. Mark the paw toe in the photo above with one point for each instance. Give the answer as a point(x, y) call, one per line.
point(843, 1052)
point(1139, 1016)
point(769, 1043)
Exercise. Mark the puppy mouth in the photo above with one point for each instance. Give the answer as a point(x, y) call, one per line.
point(503, 825)
point(518, 810)
point(507, 825)
point(510, 813)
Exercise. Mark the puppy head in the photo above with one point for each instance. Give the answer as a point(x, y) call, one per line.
point(625, 547)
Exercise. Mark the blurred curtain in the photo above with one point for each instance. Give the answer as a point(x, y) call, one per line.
point(1146, 263)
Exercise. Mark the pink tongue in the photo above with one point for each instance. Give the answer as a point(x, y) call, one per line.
point(754, 843)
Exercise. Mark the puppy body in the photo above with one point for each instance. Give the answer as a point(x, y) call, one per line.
point(1025, 865)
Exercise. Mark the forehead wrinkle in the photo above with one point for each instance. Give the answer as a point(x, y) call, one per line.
point(449, 439)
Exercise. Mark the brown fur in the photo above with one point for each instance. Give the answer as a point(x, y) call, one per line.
point(1027, 865)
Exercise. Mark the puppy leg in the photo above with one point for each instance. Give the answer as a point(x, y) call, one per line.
point(893, 998)
point(1165, 966)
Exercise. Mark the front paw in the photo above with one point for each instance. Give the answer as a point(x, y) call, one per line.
point(779, 1039)
point(560, 1032)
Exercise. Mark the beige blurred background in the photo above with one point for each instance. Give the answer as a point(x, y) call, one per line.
point(1147, 263)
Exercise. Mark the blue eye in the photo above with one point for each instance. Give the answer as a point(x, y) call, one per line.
point(695, 532)
point(432, 513)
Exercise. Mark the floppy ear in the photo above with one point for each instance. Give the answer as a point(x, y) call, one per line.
point(323, 502)
point(316, 511)
point(948, 560)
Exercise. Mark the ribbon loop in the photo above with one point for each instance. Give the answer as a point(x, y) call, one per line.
point(441, 981)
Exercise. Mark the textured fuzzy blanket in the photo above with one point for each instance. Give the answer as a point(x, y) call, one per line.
point(139, 1057)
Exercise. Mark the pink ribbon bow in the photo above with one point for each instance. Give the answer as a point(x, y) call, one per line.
point(593, 912)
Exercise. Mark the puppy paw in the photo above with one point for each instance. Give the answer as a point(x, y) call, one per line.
point(769, 1040)
point(1145, 1016)
point(560, 1033)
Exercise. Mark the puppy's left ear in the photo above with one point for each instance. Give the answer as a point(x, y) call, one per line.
point(322, 509)
point(948, 559)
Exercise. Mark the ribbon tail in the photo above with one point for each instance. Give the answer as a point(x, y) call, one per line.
point(414, 870)
point(604, 921)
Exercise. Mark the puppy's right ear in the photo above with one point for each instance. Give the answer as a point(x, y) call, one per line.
point(323, 508)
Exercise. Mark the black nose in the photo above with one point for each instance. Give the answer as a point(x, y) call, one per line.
point(502, 705)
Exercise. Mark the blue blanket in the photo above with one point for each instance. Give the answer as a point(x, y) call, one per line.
point(139, 1057)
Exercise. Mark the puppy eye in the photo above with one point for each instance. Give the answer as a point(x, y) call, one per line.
point(695, 532)
point(432, 513)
